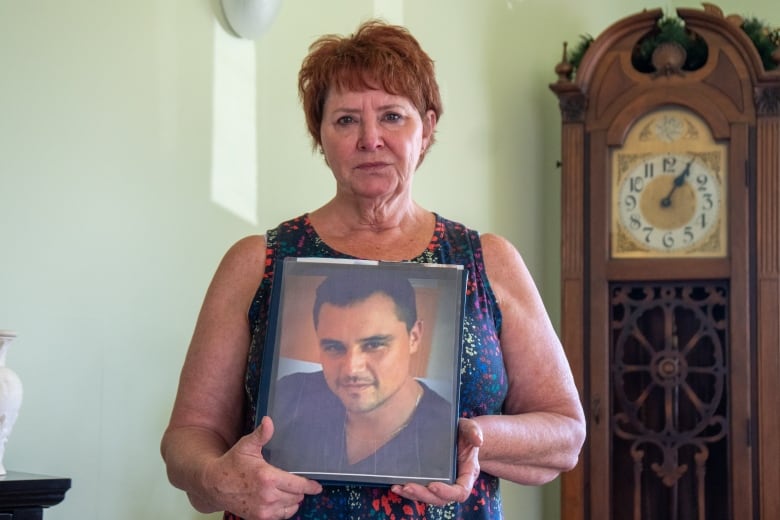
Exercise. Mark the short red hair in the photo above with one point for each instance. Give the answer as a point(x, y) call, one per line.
point(378, 55)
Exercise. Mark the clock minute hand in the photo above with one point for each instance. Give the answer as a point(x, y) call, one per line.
point(678, 181)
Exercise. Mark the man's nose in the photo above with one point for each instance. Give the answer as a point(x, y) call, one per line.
point(354, 361)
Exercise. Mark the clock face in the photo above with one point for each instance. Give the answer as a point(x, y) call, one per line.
point(668, 189)
point(669, 203)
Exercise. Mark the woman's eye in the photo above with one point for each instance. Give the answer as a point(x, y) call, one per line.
point(345, 120)
point(393, 117)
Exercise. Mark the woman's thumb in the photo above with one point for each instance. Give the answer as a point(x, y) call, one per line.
point(264, 431)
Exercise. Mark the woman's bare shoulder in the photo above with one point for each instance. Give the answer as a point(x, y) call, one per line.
point(246, 252)
point(512, 282)
point(497, 245)
point(503, 261)
point(242, 266)
point(248, 245)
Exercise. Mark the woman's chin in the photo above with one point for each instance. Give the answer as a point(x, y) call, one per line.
point(374, 189)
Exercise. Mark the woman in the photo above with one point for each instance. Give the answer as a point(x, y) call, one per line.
point(372, 104)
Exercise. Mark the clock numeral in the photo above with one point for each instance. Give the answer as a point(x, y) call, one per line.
point(648, 231)
point(688, 235)
point(649, 170)
point(669, 163)
point(634, 222)
point(668, 240)
point(637, 184)
point(630, 202)
point(708, 204)
point(703, 220)
point(702, 181)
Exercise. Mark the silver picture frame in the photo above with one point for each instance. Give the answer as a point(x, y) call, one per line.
point(365, 364)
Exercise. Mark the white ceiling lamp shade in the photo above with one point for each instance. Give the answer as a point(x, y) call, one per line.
point(250, 18)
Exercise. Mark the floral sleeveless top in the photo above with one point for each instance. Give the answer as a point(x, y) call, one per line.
point(483, 376)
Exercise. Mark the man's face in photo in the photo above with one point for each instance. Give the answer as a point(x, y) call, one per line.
point(365, 351)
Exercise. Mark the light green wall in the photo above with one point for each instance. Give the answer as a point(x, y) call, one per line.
point(110, 236)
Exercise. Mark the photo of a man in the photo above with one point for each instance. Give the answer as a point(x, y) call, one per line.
point(363, 412)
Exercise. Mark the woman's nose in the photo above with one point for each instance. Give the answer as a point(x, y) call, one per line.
point(370, 135)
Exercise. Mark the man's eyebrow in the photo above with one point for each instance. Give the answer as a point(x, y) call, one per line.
point(377, 338)
point(325, 342)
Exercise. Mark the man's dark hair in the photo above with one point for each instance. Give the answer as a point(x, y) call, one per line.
point(345, 288)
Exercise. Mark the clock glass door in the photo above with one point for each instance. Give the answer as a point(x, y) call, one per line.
point(669, 430)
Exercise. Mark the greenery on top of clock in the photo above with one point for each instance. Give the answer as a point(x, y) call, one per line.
point(672, 30)
point(575, 55)
point(766, 40)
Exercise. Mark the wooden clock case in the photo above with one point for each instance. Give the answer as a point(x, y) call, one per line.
point(677, 359)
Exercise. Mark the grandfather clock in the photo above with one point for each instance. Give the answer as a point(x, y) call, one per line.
point(671, 270)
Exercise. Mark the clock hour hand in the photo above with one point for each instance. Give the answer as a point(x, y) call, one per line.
point(678, 181)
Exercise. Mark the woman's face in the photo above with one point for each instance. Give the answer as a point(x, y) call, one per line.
point(373, 141)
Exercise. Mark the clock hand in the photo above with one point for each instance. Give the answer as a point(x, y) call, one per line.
point(678, 181)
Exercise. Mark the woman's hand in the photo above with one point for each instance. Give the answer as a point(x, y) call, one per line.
point(439, 493)
point(242, 482)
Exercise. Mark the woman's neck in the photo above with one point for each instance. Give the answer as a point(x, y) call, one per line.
point(374, 232)
point(374, 214)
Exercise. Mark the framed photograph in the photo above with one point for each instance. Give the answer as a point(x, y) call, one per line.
point(361, 370)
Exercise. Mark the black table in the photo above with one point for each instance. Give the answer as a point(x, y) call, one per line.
point(23, 496)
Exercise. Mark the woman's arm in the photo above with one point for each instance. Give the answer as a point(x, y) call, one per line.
point(202, 447)
point(543, 426)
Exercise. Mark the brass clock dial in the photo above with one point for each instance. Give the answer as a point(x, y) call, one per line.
point(669, 203)
point(668, 190)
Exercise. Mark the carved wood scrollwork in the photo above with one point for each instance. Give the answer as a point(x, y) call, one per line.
point(767, 101)
point(573, 107)
point(670, 415)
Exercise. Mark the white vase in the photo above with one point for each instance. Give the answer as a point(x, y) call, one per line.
point(10, 395)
